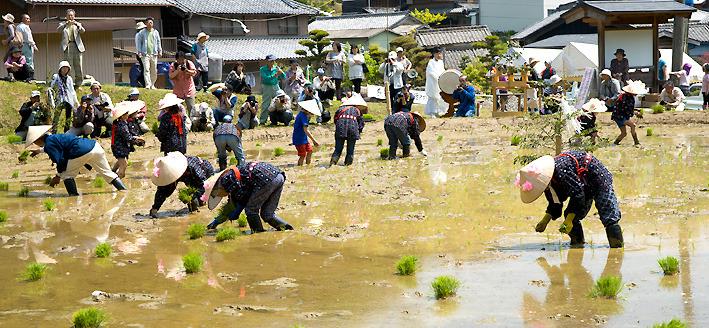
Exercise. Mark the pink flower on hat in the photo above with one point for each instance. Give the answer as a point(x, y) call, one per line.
point(208, 185)
point(517, 180)
point(156, 169)
point(527, 186)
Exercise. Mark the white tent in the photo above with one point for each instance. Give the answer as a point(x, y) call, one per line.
point(695, 73)
point(575, 58)
point(539, 54)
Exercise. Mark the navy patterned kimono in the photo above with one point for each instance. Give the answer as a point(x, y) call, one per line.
point(123, 141)
point(624, 109)
point(172, 133)
point(198, 171)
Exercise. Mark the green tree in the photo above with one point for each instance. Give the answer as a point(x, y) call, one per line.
point(492, 51)
point(373, 58)
point(428, 18)
point(491, 48)
point(417, 55)
point(316, 43)
point(476, 73)
point(323, 5)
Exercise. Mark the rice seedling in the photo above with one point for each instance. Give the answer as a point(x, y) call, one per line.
point(48, 180)
point(669, 265)
point(258, 144)
point(445, 286)
point(154, 128)
point(98, 182)
point(90, 317)
point(384, 153)
point(233, 161)
point(226, 209)
point(516, 140)
point(3, 216)
point(196, 230)
point(608, 287)
point(34, 271)
point(439, 138)
point(192, 262)
point(11, 139)
point(368, 117)
point(649, 132)
point(657, 109)
point(674, 323)
point(23, 156)
point(227, 233)
point(103, 250)
point(406, 266)
point(4, 186)
point(241, 221)
point(278, 151)
point(24, 191)
point(49, 205)
point(185, 194)
point(15, 174)
point(380, 142)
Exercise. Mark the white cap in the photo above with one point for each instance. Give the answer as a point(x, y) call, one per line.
point(399, 49)
point(35, 93)
point(392, 55)
point(134, 92)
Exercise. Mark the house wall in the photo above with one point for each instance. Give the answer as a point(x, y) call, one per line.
point(97, 60)
point(515, 15)
point(382, 40)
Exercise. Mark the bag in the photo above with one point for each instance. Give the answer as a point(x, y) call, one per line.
point(365, 69)
point(18, 39)
point(325, 116)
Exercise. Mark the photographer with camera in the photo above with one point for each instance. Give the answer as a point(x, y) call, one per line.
point(103, 106)
point(248, 114)
point(392, 70)
point(181, 74)
point(82, 125)
point(226, 101)
point(280, 109)
point(202, 118)
point(33, 112)
point(404, 100)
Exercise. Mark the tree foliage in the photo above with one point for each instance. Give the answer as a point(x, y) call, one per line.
point(372, 59)
point(428, 18)
point(316, 43)
point(492, 48)
point(323, 5)
point(476, 72)
point(417, 55)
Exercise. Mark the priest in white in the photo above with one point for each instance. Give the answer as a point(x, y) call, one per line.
point(435, 105)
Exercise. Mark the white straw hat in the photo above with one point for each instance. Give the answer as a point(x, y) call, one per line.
point(310, 106)
point(554, 79)
point(134, 92)
point(127, 107)
point(606, 72)
point(169, 100)
point(64, 63)
point(140, 26)
point(355, 100)
point(202, 35)
point(420, 120)
point(35, 132)
point(595, 105)
point(392, 55)
point(212, 200)
point(635, 87)
point(168, 168)
point(9, 17)
point(534, 178)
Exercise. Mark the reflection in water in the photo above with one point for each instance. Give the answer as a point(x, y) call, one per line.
point(685, 270)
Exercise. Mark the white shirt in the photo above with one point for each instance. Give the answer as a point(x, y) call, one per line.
point(392, 73)
point(355, 63)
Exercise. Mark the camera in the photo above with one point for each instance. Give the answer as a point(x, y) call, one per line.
point(283, 100)
point(183, 67)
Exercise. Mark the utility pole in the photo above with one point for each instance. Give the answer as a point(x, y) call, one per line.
point(679, 40)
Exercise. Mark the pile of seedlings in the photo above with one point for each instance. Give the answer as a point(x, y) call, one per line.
point(13, 139)
point(15, 174)
point(384, 153)
point(23, 156)
point(380, 142)
point(674, 323)
point(607, 287)
point(4, 186)
point(669, 265)
point(98, 182)
point(103, 250)
point(185, 194)
point(227, 233)
point(3, 216)
point(24, 192)
point(241, 221)
point(445, 286)
point(407, 265)
point(196, 230)
point(192, 262)
point(49, 205)
point(34, 271)
point(278, 151)
point(649, 132)
point(89, 318)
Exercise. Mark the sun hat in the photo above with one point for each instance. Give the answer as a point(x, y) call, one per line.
point(280, 93)
point(606, 72)
point(169, 100)
point(310, 106)
point(554, 79)
point(271, 57)
point(15, 49)
point(64, 63)
point(85, 98)
point(216, 86)
point(421, 121)
point(126, 107)
point(635, 87)
point(595, 105)
point(356, 100)
point(203, 107)
point(9, 17)
point(35, 93)
point(168, 169)
point(134, 92)
point(392, 55)
point(399, 49)
point(320, 71)
point(35, 132)
point(140, 26)
point(619, 51)
point(534, 178)
point(202, 35)
point(209, 184)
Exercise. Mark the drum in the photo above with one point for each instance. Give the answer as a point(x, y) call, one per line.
point(449, 80)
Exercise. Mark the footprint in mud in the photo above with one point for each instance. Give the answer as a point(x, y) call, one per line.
point(283, 282)
point(237, 310)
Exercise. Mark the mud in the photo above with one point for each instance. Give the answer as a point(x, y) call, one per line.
point(456, 210)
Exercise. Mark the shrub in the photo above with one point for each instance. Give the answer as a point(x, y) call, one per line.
point(227, 233)
point(49, 205)
point(11, 139)
point(103, 250)
point(649, 132)
point(24, 191)
point(196, 230)
point(192, 262)
point(15, 174)
point(241, 221)
point(34, 271)
point(669, 265)
point(608, 287)
point(99, 182)
point(89, 318)
point(406, 266)
point(4, 186)
point(516, 140)
point(657, 109)
point(23, 156)
point(278, 151)
point(3, 216)
point(384, 153)
point(368, 117)
point(445, 286)
point(380, 142)
point(674, 323)
point(439, 138)
point(185, 194)
point(154, 128)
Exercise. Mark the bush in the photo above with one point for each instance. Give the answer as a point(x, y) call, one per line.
point(185, 194)
point(4, 186)
point(34, 271)
point(227, 233)
point(384, 153)
point(649, 132)
point(516, 140)
point(674, 323)
point(278, 151)
point(15, 174)
point(192, 262)
point(49, 205)
point(89, 318)
point(669, 265)
point(103, 250)
point(608, 287)
point(657, 109)
point(98, 182)
point(11, 139)
point(241, 221)
point(380, 142)
point(23, 156)
point(196, 230)
point(3, 216)
point(406, 266)
point(24, 191)
point(445, 286)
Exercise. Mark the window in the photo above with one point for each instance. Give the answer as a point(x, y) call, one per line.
point(222, 27)
point(285, 26)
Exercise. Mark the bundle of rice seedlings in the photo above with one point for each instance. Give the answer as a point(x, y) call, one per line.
point(669, 265)
point(89, 318)
point(406, 266)
point(608, 287)
point(103, 250)
point(445, 286)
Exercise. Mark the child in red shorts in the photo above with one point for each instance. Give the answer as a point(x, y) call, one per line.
point(301, 133)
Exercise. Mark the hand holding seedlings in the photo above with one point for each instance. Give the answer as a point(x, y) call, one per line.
point(55, 181)
point(35, 152)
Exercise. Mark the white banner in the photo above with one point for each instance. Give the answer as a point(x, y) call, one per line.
point(375, 91)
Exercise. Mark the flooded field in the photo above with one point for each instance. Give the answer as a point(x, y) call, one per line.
point(457, 210)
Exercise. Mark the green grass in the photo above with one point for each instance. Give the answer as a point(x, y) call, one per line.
point(649, 132)
point(406, 266)
point(11, 139)
point(24, 155)
point(90, 317)
point(192, 262)
point(34, 271)
point(24, 192)
point(674, 323)
point(98, 182)
point(227, 233)
point(384, 153)
point(185, 194)
point(515, 140)
point(439, 138)
point(608, 287)
point(445, 286)
point(4, 186)
point(278, 151)
point(103, 250)
point(3, 216)
point(657, 109)
point(15, 174)
point(241, 221)
point(669, 265)
point(196, 230)
point(258, 144)
point(380, 142)
point(49, 205)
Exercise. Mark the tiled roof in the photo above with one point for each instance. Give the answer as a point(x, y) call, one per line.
point(358, 21)
point(698, 32)
point(255, 48)
point(560, 41)
point(531, 29)
point(639, 6)
point(451, 35)
point(278, 7)
point(105, 2)
point(453, 57)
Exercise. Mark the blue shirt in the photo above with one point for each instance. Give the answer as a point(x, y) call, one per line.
point(62, 147)
point(299, 136)
point(466, 96)
point(660, 66)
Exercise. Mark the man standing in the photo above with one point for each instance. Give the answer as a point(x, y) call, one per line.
point(270, 74)
point(201, 55)
point(435, 105)
point(181, 73)
point(662, 71)
point(465, 94)
point(72, 46)
point(147, 42)
point(392, 71)
point(28, 45)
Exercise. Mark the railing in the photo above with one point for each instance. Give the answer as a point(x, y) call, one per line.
point(169, 46)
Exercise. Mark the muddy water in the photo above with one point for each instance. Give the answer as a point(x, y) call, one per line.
point(456, 210)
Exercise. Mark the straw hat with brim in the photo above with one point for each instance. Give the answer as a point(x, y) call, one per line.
point(310, 106)
point(169, 100)
point(64, 63)
point(533, 61)
point(168, 169)
point(635, 87)
point(127, 107)
point(216, 86)
point(9, 17)
point(606, 72)
point(202, 35)
point(595, 105)
point(392, 55)
point(212, 200)
point(134, 92)
point(35, 132)
point(35, 93)
point(355, 100)
point(421, 121)
point(280, 93)
point(535, 178)
point(140, 26)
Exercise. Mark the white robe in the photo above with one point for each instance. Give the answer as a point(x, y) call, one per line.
point(435, 105)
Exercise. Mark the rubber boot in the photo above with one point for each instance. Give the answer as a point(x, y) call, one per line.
point(635, 139)
point(119, 184)
point(407, 150)
point(334, 160)
point(278, 223)
point(70, 186)
point(255, 224)
point(615, 235)
point(576, 234)
point(222, 164)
